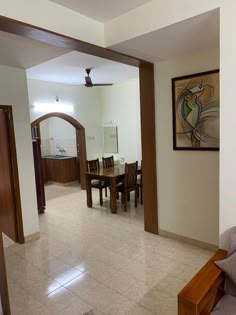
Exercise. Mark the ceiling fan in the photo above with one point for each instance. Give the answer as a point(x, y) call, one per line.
point(88, 80)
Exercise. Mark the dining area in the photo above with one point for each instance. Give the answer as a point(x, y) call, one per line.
point(117, 180)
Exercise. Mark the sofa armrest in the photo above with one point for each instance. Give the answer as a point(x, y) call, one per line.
point(201, 294)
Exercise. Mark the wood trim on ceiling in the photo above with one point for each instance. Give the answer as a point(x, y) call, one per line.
point(53, 38)
point(147, 102)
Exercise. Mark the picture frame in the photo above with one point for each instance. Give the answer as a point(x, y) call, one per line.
point(195, 108)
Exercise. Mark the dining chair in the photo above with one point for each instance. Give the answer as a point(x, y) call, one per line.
point(108, 161)
point(129, 184)
point(93, 166)
point(140, 185)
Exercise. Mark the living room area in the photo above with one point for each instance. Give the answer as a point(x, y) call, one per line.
point(84, 260)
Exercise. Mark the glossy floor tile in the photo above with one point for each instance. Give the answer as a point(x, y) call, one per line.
point(88, 260)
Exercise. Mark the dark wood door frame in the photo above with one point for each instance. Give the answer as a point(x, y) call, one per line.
point(147, 102)
point(3, 281)
point(15, 176)
point(80, 140)
point(17, 224)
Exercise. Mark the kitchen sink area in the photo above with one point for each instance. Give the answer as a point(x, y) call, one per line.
point(58, 157)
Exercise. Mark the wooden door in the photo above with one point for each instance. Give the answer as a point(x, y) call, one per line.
point(8, 217)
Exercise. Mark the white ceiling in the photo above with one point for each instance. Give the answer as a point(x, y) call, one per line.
point(186, 37)
point(70, 69)
point(50, 63)
point(55, 64)
point(101, 10)
point(20, 52)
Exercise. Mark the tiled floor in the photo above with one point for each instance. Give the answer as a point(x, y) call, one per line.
point(89, 259)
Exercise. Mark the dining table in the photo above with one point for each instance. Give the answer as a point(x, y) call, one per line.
point(111, 175)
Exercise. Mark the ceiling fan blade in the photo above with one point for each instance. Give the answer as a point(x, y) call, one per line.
point(88, 80)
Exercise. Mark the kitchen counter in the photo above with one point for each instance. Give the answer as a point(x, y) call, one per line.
point(61, 169)
point(58, 157)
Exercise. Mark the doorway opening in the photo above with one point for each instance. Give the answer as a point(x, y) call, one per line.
point(147, 102)
point(77, 164)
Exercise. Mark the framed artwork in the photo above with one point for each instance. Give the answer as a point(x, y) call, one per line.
point(195, 100)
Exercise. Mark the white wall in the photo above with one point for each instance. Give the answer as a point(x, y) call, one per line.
point(121, 106)
point(13, 91)
point(152, 16)
point(188, 181)
point(44, 129)
point(54, 17)
point(57, 133)
point(45, 138)
point(87, 108)
point(227, 121)
point(92, 108)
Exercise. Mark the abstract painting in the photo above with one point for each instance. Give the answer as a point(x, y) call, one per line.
point(195, 100)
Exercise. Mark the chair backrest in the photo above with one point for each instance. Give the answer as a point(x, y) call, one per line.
point(108, 161)
point(131, 171)
point(141, 175)
point(93, 165)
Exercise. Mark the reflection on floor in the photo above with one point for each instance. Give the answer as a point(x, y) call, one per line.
point(90, 259)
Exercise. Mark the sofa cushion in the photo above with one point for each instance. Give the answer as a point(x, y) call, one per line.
point(225, 306)
point(230, 287)
point(228, 266)
point(232, 241)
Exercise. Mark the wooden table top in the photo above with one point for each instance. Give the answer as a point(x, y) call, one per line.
point(117, 170)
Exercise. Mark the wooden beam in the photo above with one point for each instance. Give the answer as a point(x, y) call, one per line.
point(53, 38)
point(147, 103)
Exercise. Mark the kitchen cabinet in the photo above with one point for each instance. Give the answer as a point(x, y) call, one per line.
point(61, 169)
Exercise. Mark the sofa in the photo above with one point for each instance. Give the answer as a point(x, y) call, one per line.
point(213, 289)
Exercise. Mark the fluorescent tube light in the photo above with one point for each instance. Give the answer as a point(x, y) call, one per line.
point(53, 107)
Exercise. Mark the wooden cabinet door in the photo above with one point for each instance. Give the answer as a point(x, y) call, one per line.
point(8, 219)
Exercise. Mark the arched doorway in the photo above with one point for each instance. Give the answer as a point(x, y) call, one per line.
point(80, 140)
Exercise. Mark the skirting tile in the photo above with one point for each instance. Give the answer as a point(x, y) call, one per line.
point(188, 240)
point(32, 237)
point(75, 182)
